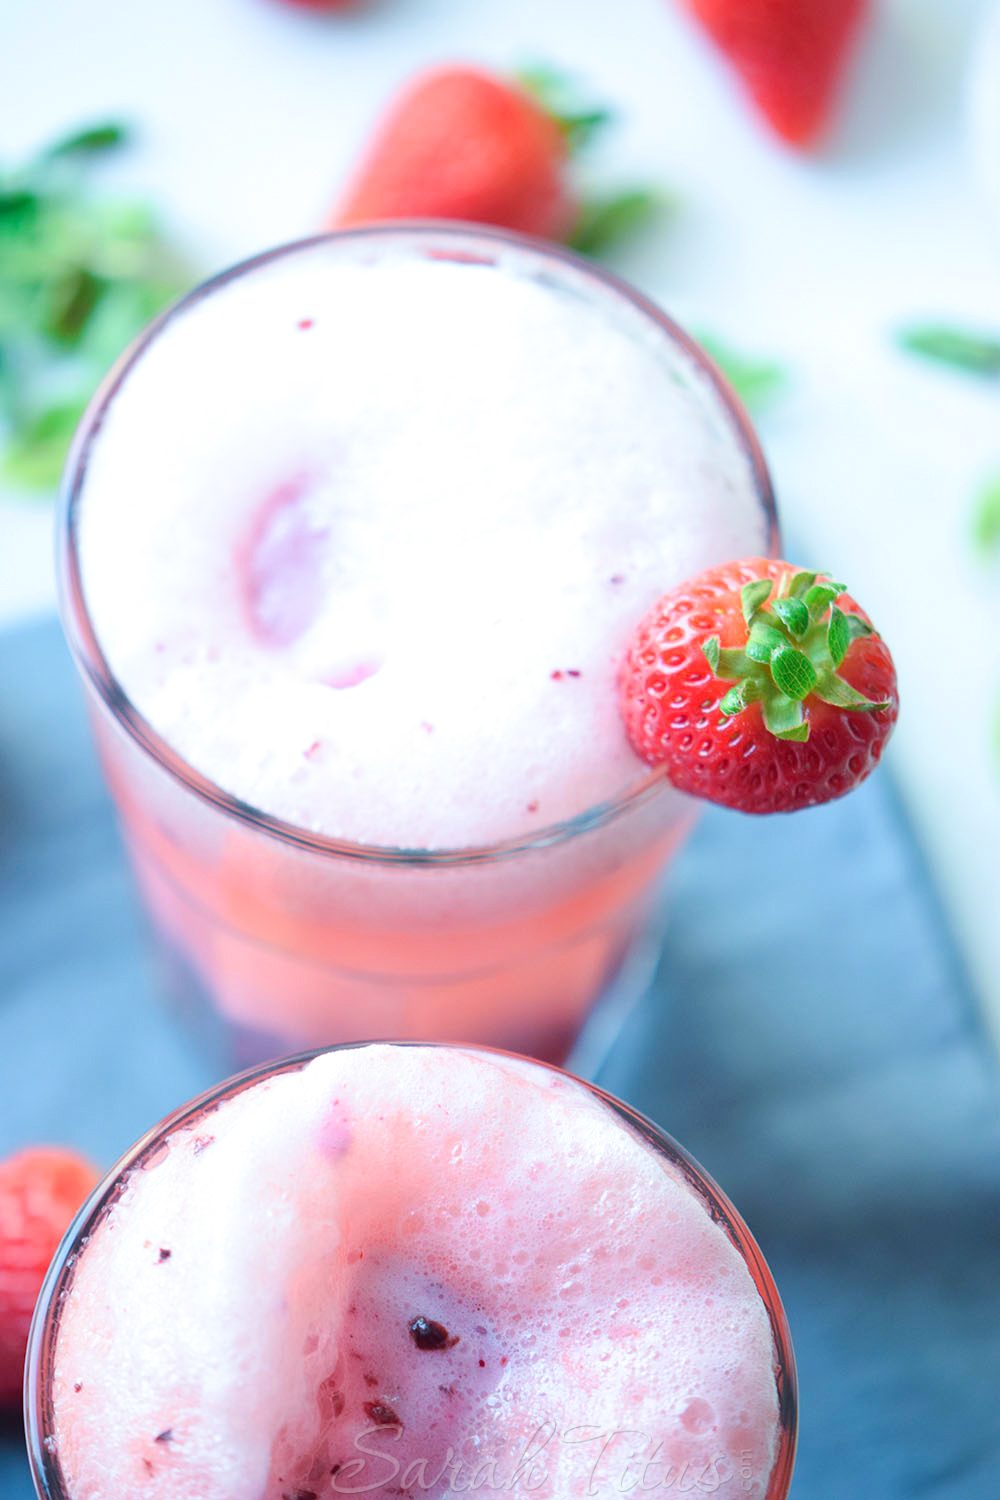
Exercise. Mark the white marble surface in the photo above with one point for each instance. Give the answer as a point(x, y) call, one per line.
point(250, 114)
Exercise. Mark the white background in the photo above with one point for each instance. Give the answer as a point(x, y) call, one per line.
point(250, 114)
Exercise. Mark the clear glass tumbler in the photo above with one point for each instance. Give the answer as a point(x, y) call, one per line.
point(44, 1386)
point(290, 939)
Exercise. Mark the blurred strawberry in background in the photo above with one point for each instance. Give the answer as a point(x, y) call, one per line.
point(322, 4)
point(790, 54)
point(458, 143)
point(461, 143)
point(41, 1189)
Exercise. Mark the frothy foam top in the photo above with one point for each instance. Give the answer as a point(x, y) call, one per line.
point(364, 534)
point(345, 1269)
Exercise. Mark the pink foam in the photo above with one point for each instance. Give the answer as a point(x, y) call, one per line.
point(579, 1287)
point(282, 565)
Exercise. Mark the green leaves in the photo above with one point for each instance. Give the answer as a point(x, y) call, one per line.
point(976, 353)
point(765, 637)
point(605, 222)
point(753, 596)
point(799, 586)
point(834, 690)
point(79, 278)
point(34, 456)
point(785, 719)
point(986, 518)
point(558, 94)
point(793, 614)
point(93, 140)
point(755, 381)
point(793, 650)
point(838, 636)
point(819, 595)
point(793, 672)
point(736, 700)
point(604, 219)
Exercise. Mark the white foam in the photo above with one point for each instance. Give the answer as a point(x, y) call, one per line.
point(494, 476)
point(310, 1220)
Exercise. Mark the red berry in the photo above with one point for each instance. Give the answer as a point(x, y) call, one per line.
point(458, 143)
point(40, 1191)
point(810, 639)
point(322, 4)
point(791, 55)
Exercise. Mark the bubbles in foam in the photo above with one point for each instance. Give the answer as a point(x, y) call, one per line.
point(304, 1269)
point(343, 524)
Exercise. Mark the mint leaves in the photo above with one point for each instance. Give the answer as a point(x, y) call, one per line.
point(986, 518)
point(976, 353)
point(755, 381)
point(79, 277)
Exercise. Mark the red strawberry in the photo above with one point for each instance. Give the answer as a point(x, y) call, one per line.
point(40, 1191)
point(764, 699)
point(460, 144)
point(791, 54)
point(322, 4)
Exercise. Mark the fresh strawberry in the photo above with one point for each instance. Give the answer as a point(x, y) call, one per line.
point(765, 698)
point(322, 4)
point(458, 143)
point(40, 1191)
point(791, 54)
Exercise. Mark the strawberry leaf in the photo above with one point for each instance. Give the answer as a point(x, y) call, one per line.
point(557, 93)
point(764, 638)
point(839, 693)
point(738, 697)
point(752, 596)
point(785, 719)
point(793, 614)
point(797, 732)
point(800, 585)
point(733, 702)
point(793, 672)
point(838, 636)
point(605, 222)
point(730, 664)
point(792, 654)
point(820, 595)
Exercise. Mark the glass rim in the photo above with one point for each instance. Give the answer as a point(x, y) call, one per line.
point(96, 670)
point(43, 1337)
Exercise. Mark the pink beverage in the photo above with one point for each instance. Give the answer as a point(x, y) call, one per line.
point(408, 1270)
point(355, 539)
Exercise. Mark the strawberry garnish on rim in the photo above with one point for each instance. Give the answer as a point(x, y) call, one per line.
point(759, 686)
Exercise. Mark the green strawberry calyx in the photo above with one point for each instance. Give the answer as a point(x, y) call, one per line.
point(793, 651)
